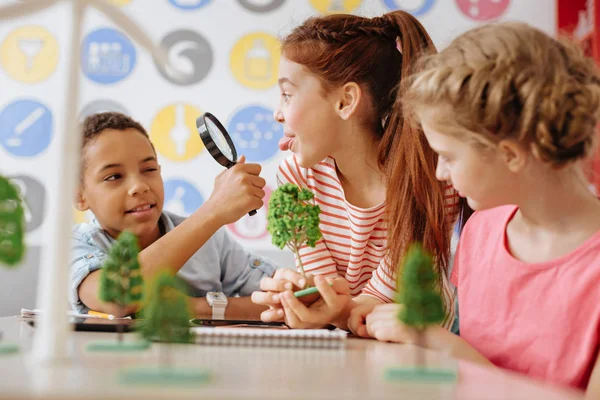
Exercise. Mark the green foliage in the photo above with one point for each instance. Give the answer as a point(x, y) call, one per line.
point(293, 219)
point(422, 302)
point(166, 314)
point(121, 279)
point(12, 224)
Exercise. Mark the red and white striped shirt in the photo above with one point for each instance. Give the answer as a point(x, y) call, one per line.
point(354, 239)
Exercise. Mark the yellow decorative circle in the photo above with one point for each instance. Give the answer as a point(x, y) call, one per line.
point(255, 60)
point(335, 6)
point(29, 54)
point(173, 132)
point(80, 216)
point(120, 2)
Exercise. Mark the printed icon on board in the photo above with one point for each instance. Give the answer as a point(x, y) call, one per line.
point(417, 8)
point(33, 194)
point(101, 106)
point(25, 128)
point(253, 227)
point(80, 217)
point(335, 6)
point(255, 60)
point(483, 10)
point(190, 53)
point(29, 54)
point(254, 133)
point(173, 132)
point(189, 4)
point(107, 56)
point(181, 197)
point(120, 3)
point(261, 6)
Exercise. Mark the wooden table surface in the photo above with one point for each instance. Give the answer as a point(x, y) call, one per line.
point(355, 372)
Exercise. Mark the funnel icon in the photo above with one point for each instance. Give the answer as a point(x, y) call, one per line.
point(30, 47)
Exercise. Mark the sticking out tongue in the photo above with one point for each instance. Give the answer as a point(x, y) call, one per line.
point(284, 143)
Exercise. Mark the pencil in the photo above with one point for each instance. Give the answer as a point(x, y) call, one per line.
point(101, 315)
point(305, 292)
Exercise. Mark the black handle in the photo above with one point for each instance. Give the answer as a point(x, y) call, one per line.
point(251, 213)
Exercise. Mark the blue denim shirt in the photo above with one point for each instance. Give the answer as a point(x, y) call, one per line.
point(221, 265)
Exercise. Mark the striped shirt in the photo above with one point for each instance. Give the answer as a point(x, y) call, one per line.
point(354, 242)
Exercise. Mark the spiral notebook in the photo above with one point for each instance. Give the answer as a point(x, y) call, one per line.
point(267, 337)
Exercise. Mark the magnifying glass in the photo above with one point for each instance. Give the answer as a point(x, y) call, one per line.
point(217, 141)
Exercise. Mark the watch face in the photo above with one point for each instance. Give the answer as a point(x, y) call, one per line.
point(216, 297)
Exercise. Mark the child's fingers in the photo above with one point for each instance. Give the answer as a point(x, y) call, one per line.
point(241, 160)
point(291, 318)
point(331, 298)
point(362, 332)
point(295, 305)
point(292, 276)
point(275, 285)
point(340, 285)
point(265, 298)
point(272, 315)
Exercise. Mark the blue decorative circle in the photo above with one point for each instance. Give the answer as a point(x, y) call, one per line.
point(189, 4)
point(25, 128)
point(417, 11)
point(181, 197)
point(107, 56)
point(255, 133)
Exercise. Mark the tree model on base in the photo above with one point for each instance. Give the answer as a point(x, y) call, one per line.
point(12, 231)
point(293, 219)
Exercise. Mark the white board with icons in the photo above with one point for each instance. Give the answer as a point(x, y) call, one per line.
point(229, 53)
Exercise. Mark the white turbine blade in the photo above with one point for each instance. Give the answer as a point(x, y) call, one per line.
point(135, 32)
point(20, 10)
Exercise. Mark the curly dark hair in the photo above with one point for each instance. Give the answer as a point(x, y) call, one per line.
point(95, 124)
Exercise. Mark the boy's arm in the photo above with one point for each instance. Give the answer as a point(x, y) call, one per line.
point(237, 191)
point(237, 307)
point(171, 251)
point(241, 271)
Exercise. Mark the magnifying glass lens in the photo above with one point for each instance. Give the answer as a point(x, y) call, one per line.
point(219, 139)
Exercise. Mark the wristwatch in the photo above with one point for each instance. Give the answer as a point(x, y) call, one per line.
point(218, 302)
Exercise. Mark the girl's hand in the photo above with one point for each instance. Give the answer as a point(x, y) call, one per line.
point(272, 288)
point(357, 323)
point(383, 324)
point(333, 301)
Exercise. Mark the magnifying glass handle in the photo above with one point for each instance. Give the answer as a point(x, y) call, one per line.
point(251, 213)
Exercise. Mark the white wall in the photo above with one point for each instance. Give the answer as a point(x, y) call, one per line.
point(227, 76)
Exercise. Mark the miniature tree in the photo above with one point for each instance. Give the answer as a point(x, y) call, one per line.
point(121, 279)
point(166, 319)
point(293, 219)
point(166, 313)
point(12, 230)
point(12, 224)
point(419, 295)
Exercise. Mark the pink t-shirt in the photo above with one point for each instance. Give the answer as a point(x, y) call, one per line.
point(541, 319)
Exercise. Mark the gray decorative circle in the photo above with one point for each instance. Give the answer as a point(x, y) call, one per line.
point(100, 106)
point(261, 6)
point(34, 195)
point(190, 53)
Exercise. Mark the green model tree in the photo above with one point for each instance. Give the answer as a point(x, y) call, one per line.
point(419, 295)
point(12, 224)
point(293, 219)
point(12, 232)
point(166, 313)
point(121, 280)
point(166, 319)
